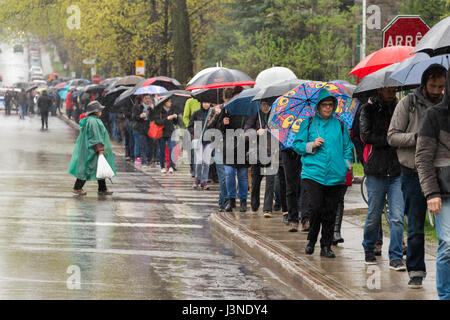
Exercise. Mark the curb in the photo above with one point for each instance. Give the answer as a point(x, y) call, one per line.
point(297, 271)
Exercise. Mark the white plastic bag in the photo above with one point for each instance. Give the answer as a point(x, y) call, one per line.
point(104, 170)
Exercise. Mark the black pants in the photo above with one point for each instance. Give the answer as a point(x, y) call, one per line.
point(7, 109)
point(79, 184)
point(44, 119)
point(292, 170)
point(281, 194)
point(321, 201)
point(256, 189)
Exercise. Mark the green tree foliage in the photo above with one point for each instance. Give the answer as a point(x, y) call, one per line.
point(432, 11)
point(313, 38)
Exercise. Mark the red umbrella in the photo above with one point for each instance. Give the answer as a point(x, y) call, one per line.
point(381, 59)
point(221, 78)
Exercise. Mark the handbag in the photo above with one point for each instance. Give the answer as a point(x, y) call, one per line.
point(155, 131)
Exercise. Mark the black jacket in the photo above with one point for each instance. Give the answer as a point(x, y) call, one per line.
point(139, 124)
point(199, 115)
point(44, 103)
point(380, 159)
point(256, 122)
point(160, 115)
point(238, 144)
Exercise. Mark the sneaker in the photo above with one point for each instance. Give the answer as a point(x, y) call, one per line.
point(327, 253)
point(80, 192)
point(293, 227)
point(255, 212)
point(397, 265)
point(163, 170)
point(378, 249)
point(305, 227)
point(370, 258)
point(285, 218)
point(196, 184)
point(105, 193)
point(170, 170)
point(138, 161)
point(127, 159)
point(309, 249)
point(415, 283)
point(267, 214)
point(205, 186)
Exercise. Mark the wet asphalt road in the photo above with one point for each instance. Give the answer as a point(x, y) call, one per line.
point(150, 240)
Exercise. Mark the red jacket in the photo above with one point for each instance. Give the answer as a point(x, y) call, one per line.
point(69, 104)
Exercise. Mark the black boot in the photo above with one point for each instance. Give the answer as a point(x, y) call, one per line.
point(337, 238)
point(231, 204)
point(309, 248)
point(327, 252)
point(243, 205)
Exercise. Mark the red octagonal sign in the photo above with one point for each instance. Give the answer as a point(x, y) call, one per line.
point(404, 31)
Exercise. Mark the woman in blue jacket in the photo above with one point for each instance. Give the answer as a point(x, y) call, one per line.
point(327, 155)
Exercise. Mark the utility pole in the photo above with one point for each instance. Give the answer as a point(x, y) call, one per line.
point(364, 30)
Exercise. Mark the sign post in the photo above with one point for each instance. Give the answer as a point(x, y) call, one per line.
point(404, 31)
point(140, 67)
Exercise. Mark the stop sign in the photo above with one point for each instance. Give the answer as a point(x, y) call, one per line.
point(404, 31)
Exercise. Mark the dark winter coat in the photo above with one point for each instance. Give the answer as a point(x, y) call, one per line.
point(44, 103)
point(160, 115)
point(380, 159)
point(139, 124)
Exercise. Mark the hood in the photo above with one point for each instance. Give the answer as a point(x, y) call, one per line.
point(324, 94)
point(418, 92)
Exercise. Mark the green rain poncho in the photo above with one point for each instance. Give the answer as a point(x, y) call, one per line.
point(83, 164)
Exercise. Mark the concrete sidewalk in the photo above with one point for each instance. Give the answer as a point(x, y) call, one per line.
point(346, 277)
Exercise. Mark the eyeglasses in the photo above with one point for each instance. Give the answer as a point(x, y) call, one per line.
point(327, 105)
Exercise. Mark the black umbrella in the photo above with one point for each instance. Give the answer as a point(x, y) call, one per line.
point(221, 78)
point(123, 101)
point(111, 96)
point(209, 95)
point(377, 80)
point(94, 88)
point(178, 98)
point(437, 40)
point(129, 81)
point(278, 89)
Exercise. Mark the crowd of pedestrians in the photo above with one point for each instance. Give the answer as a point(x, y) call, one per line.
point(403, 142)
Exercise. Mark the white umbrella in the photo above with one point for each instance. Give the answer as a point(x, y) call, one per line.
point(273, 75)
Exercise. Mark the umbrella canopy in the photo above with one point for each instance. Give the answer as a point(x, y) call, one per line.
point(129, 81)
point(209, 95)
point(437, 40)
point(31, 88)
point(165, 82)
point(94, 88)
point(410, 71)
point(380, 59)
point(289, 110)
point(278, 89)
point(178, 98)
point(61, 85)
point(242, 104)
point(201, 73)
point(351, 87)
point(150, 90)
point(109, 98)
point(221, 78)
point(124, 100)
point(63, 93)
point(377, 80)
point(273, 75)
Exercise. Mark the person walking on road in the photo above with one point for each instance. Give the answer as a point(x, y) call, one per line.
point(402, 135)
point(327, 156)
point(92, 142)
point(382, 169)
point(433, 166)
point(44, 105)
point(22, 101)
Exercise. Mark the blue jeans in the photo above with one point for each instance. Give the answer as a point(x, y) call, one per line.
point(230, 177)
point(144, 145)
point(22, 110)
point(162, 152)
point(377, 189)
point(415, 210)
point(136, 144)
point(114, 127)
point(443, 254)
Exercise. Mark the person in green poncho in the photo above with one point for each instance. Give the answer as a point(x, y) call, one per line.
point(92, 142)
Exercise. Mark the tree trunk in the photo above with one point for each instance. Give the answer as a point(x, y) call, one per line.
point(182, 58)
